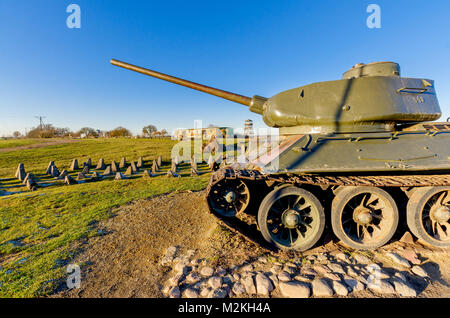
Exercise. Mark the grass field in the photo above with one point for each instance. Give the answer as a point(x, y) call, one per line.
point(40, 231)
point(11, 143)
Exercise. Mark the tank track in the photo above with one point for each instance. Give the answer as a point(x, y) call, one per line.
point(250, 233)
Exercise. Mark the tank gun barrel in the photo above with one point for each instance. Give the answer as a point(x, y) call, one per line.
point(203, 88)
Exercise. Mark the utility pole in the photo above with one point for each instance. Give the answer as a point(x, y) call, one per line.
point(41, 122)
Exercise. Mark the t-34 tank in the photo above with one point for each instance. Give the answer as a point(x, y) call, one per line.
point(359, 151)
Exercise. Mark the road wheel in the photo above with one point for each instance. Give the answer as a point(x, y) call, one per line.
point(291, 218)
point(428, 215)
point(229, 197)
point(364, 217)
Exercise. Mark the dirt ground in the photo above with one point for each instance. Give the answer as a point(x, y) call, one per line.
point(125, 261)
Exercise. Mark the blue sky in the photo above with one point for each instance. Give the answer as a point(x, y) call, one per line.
point(247, 47)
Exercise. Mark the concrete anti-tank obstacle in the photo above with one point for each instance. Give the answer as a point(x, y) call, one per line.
point(193, 163)
point(49, 168)
point(85, 169)
point(194, 172)
point(89, 163)
point(123, 163)
point(20, 173)
point(133, 167)
point(31, 184)
point(95, 176)
point(74, 165)
point(129, 171)
point(55, 172)
point(101, 164)
point(81, 176)
point(155, 167)
point(147, 174)
point(63, 175)
point(159, 161)
point(140, 163)
point(211, 162)
point(69, 180)
point(119, 176)
point(114, 167)
point(107, 171)
point(29, 176)
point(174, 166)
point(172, 174)
point(176, 160)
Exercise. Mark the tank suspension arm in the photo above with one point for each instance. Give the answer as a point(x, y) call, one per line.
point(206, 89)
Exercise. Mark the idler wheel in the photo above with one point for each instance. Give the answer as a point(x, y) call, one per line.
point(229, 197)
point(291, 218)
point(364, 217)
point(428, 215)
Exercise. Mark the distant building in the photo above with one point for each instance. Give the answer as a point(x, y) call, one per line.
point(248, 127)
point(203, 133)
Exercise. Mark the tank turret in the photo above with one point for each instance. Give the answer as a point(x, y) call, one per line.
point(369, 98)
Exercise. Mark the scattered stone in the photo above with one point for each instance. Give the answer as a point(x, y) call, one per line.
point(191, 293)
point(215, 282)
point(174, 292)
point(169, 256)
point(107, 171)
point(218, 293)
point(321, 269)
point(284, 276)
point(129, 171)
point(339, 288)
point(74, 165)
point(147, 174)
point(381, 286)
point(336, 268)
point(123, 163)
point(69, 180)
point(322, 257)
point(247, 268)
point(295, 289)
point(140, 163)
point(400, 276)
point(181, 268)
point(289, 269)
point(101, 164)
point(263, 284)
point(407, 238)
point(361, 259)
point(321, 288)
point(49, 167)
point(221, 271)
point(20, 173)
point(343, 257)
point(238, 289)
point(353, 284)
point(206, 271)
point(175, 280)
point(236, 276)
point(304, 278)
point(133, 167)
point(411, 256)
point(192, 278)
point(114, 167)
point(81, 176)
point(332, 276)
point(247, 282)
point(205, 292)
point(419, 271)
point(405, 290)
point(377, 271)
point(308, 271)
point(398, 259)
